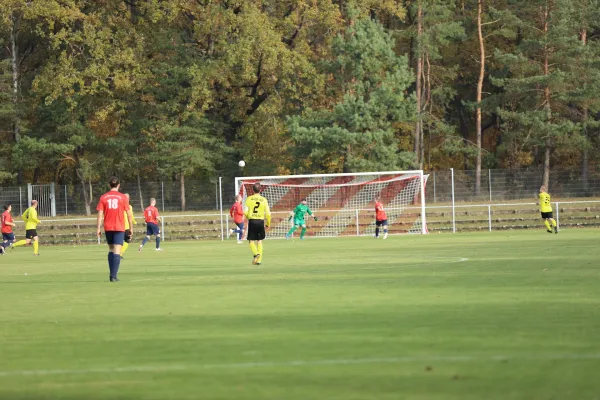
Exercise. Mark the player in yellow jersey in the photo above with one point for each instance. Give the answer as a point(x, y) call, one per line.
point(259, 220)
point(31, 222)
point(128, 229)
point(546, 210)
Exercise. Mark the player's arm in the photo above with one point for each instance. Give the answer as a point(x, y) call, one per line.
point(267, 215)
point(33, 216)
point(247, 209)
point(132, 216)
point(6, 222)
point(99, 222)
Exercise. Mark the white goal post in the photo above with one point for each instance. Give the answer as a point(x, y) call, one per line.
point(344, 203)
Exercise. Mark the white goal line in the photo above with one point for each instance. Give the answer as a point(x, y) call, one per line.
point(304, 363)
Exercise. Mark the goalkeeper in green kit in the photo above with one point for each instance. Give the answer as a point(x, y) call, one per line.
point(298, 215)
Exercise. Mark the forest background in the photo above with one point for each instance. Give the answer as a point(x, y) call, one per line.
point(176, 90)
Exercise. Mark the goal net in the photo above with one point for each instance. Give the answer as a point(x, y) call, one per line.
point(343, 203)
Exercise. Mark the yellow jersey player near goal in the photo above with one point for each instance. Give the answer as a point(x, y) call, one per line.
point(546, 210)
point(258, 214)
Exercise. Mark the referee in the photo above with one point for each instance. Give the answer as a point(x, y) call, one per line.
point(259, 219)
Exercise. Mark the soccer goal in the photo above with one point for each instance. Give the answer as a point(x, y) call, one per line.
point(344, 203)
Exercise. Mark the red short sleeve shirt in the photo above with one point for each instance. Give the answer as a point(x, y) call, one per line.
point(114, 205)
point(6, 217)
point(380, 214)
point(237, 212)
point(151, 215)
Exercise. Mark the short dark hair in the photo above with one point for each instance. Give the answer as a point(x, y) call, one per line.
point(6, 206)
point(113, 182)
point(256, 187)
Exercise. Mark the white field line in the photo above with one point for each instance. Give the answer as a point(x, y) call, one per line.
point(304, 363)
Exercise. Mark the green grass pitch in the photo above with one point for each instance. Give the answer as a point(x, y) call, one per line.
point(505, 315)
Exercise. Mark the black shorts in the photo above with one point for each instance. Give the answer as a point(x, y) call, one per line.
point(128, 235)
point(9, 237)
point(546, 215)
point(115, 237)
point(152, 229)
point(30, 233)
point(256, 229)
point(380, 223)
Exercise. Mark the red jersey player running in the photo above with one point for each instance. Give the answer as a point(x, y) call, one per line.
point(112, 208)
point(237, 213)
point(152, 219)
point(380, 218)
point(8, 237)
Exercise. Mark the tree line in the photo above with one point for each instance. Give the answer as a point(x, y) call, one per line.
point(183, 89)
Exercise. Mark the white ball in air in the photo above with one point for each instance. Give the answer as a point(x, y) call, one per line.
point(242, 163)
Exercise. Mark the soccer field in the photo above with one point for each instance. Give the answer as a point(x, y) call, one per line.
point(506, 315)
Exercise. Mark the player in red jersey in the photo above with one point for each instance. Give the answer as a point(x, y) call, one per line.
point(152, 219)
point(237, 213)
point(8, 236)
point(380, 218)
point(112, 209)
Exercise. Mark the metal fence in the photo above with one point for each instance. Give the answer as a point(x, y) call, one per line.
point(496, 186)
point(440, 219)
point(503, 185)
point(70, 199)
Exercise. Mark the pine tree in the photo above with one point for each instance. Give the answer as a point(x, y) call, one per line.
point(538, 77)
point(359, 132)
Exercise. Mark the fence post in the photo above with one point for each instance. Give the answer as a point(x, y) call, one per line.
point(453, 209)
point(221, 209)
point(162, 228)
point(20, 200)
point(557, 215)
point(490, 217)
point(66, 202)
point(490, 182)
point(357, 224)
point(52, 200)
